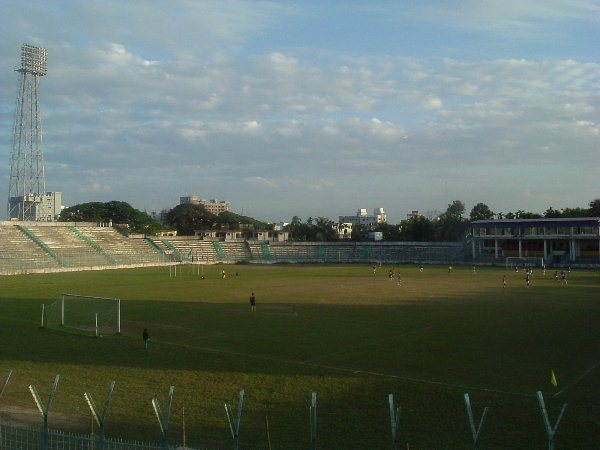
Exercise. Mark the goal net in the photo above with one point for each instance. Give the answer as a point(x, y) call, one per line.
point(84, 314)
point(524, 261)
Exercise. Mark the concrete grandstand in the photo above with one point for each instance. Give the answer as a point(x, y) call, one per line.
point(30, 247)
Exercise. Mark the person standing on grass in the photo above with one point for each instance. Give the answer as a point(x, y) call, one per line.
point(253, 302)
point(503, 281)
point(146, 337)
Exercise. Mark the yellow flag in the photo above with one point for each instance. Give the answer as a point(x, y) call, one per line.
point(553, 379)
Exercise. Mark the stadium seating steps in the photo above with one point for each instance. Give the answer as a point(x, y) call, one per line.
point(42, 247)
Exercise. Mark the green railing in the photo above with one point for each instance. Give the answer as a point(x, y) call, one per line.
point(27, 232)
point(266, 250)
point(157, 249)
point(219, 250)
point(92, 244)
point(176, 253)
point(321, 252)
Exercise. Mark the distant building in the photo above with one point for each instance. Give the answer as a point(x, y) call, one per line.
point(44, 208)
point(243, 235)
point(559, 241)
point(160, 216)
point(279, 226)
point(344, 230)
point(212, 206)
point(363, 218)
point(375, 235)
point(414, 215)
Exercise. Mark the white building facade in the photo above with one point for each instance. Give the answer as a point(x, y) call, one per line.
point(363, 218)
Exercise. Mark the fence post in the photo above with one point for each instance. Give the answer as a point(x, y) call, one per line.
point(550, 431)
point(234, 421)
point(44, 409)
point(163, 419)
point(313, 421)
point(394, 421)
point(4, 383)
point(100, 416)
point(475, 432)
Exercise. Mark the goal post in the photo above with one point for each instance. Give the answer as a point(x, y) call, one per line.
point(84, 314)
point(524, 261)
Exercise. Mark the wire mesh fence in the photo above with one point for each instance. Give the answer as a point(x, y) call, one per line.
point(24, 438)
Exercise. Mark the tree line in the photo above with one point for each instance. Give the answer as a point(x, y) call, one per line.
point(451, 225)
point(185, 218)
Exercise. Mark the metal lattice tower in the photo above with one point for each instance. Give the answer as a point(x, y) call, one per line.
point(27, 184)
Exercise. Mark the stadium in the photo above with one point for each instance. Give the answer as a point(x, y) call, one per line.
point(60, 246)
point(202, 344)
point(336, 348)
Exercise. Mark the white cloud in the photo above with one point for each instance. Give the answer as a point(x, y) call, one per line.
point(433, 103)
point(262, 182)
point(149, 113)
point(527, 19)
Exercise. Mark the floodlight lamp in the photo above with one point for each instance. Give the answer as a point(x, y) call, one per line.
point(34, 60)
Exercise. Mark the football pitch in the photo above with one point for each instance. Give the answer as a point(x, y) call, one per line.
point(346, 332)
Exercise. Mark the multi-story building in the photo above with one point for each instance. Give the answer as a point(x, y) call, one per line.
point(363, 218)
point(212, 206)
point(557, 241)
point(42, 208)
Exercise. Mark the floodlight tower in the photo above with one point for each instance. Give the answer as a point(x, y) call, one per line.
point(27, 185)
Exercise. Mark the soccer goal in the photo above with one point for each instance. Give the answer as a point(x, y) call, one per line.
point(524, 261)
point(85, 314)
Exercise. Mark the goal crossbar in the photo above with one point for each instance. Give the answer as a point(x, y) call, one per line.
point(85, 313)
point(118, 300)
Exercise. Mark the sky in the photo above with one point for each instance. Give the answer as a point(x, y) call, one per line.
point(313, 108)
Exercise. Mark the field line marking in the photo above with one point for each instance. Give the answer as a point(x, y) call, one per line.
point(369, 344)
point(199, 338)
point(353, 371)
point(581, 377)
point(419, 380)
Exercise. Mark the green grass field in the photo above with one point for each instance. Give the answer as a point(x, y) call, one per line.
point(341, 331)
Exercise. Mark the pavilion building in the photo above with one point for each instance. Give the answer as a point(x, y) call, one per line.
point(559, 241)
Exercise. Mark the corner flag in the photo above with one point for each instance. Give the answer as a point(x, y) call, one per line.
point(553, 379)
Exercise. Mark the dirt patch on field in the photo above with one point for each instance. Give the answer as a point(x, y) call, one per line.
point(31, 417)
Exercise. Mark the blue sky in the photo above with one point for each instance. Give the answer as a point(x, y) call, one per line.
point(313, 108)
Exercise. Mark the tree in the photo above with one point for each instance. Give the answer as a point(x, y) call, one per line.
point(481, 211)
point(575, 212)
point(528, 215)
point(233, 221)
point(114, 211)
point(324, 230)
point(450, 228)
point(552, 213)
point(456, 209)
point(359, 232)
point(390, 232)
point(520, 214)
point(187, 218)
point(417, 229)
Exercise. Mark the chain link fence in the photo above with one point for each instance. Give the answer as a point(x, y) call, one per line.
point(22, 438)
